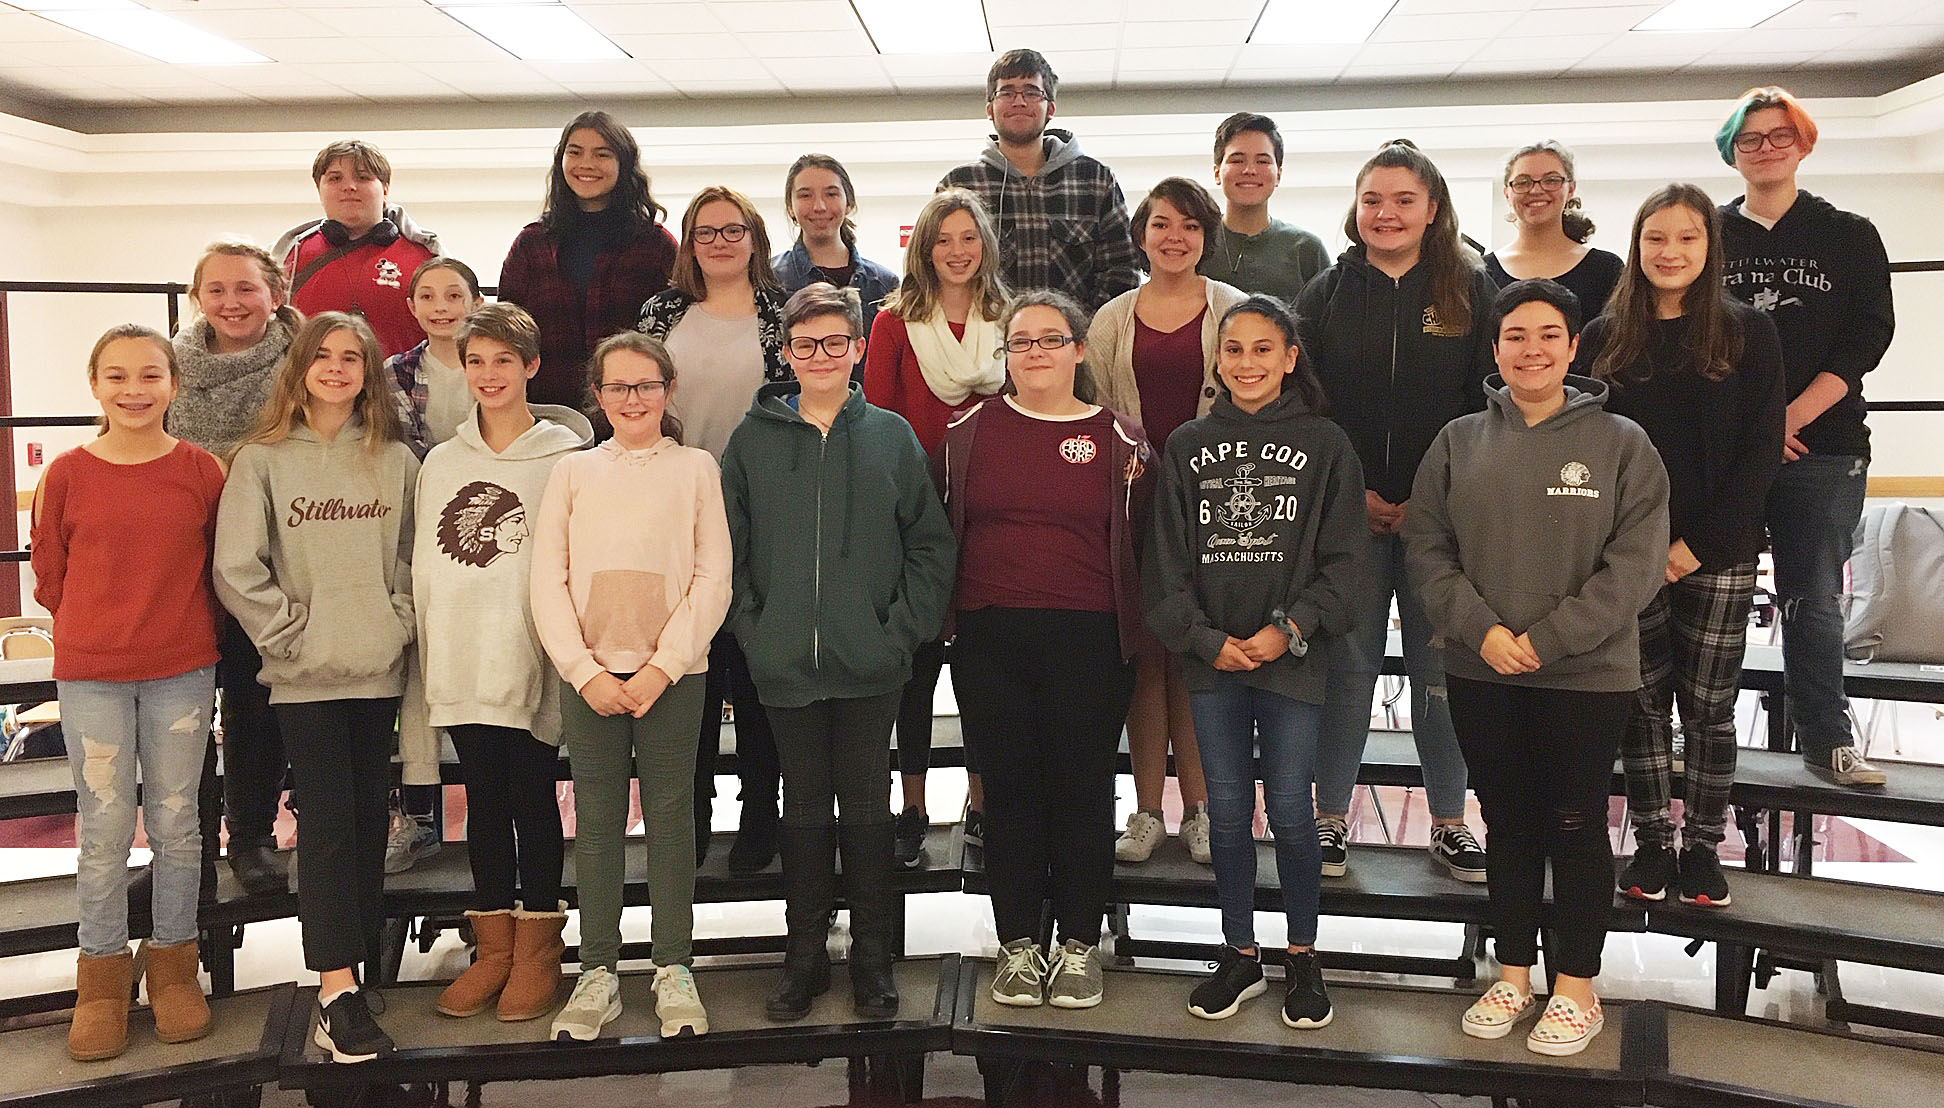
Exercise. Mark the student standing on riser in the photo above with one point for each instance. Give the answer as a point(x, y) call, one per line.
point(1248, 249)
point(819, 198)
point(1539, 189)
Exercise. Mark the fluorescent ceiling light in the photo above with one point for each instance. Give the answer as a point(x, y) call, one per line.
point(927, 27)
point(1314, 23)
point(136, 28)
point(1712, 15)
point(539, 32)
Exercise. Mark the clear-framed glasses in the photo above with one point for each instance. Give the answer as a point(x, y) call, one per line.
point(1551, 182)
point(730, 232)
point(1781, 138)
point(616, 392)
point(1028, 95)
point(835, 346)
point(1020, 344)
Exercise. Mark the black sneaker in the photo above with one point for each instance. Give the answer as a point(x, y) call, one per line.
point(1238, 977)
point(1648, 874)
point(346, 1029)
point(1333, 844)
point(1453, 845)
point(1701, 879)
point(1307, 1004)
point(755, 845)
point(975, 828)
point(910, 844)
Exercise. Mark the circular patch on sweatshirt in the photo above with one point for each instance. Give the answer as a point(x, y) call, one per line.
point(1079, 449)
point(1574, 474)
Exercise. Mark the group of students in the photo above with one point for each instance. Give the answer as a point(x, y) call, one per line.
point(1188, 511)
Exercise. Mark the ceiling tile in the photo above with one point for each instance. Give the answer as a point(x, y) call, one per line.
point(831, 47)
point(1256, 56)
point(1385, 54)
point(1014, 13)
point(1174, 11)
point(1104, 35)
point(1396, 71)
point(695, 46)
point(654, 19)
point(1438, 28)
point(1445, 7)
point(786, 15)
point(1211, 32)
point(703, 90)
point(683, 71)
point(462, 47)
point(1206, 60)
point(1579, 21)
point(284, 23)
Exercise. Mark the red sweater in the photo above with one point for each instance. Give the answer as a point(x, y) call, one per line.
point(893, 381)
point(370, 280)
point(122, 559)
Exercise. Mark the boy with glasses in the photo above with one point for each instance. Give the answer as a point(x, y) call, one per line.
point(1823, 275)
point(1251, 250)
point(1062, 219)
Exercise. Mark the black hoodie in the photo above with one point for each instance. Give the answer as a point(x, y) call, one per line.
point(1823, 276)
point(1394, 375)
point(1256, 515)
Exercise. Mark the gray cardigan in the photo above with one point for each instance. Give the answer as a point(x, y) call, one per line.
point(1110, 349)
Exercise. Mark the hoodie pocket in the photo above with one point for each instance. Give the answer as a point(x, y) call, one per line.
point(855, 642)
point(351, 634)
point(626, 610)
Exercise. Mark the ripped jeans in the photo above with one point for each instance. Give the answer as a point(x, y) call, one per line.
point(111, 727)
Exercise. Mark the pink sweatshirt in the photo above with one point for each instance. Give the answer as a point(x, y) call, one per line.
point(631, 561)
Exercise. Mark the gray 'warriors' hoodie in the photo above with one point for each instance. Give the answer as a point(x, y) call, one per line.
point(1558, 531)
point(479, 657)
point(314, 559)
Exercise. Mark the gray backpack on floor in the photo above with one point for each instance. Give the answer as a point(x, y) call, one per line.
point(1896, 601)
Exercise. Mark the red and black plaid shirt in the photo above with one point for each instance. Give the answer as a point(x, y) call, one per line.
point(572, 323)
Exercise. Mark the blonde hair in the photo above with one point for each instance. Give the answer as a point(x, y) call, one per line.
point(376, 405)
point(916, 297)
point(273, 276)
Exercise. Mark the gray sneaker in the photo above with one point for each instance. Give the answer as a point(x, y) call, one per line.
point(1846, 767)
point(677, 1004)
point(595, 1003)
point(407, 842)
point(1020, 979)
point(1078, 979)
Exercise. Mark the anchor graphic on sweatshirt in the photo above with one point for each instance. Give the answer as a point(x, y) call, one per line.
point(1243, 511)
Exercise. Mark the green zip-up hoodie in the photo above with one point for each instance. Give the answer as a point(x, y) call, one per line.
point(844, 559)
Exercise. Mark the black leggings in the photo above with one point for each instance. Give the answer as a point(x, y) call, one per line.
point(835, 750)
point(1541, 761)
point(1042, 696)
point(512, 816)
point(253, 746)
point(915, 712)
point(728, 679)
point(340, 755)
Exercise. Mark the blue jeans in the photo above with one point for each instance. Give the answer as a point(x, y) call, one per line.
point(1813, 509)
point(1355, 663)
point(112, 727)
point(1230, 721)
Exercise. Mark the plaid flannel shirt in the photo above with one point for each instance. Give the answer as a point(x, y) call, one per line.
point(1065, 228)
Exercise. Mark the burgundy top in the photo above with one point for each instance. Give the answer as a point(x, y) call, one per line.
point(1168, 372)
point(122, 559)
point(893, 381)
point(1038, 502)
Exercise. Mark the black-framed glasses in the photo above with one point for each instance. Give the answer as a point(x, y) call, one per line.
point(1020, 344)
point(1022, 95)
point(1781, 138)
point(1551, 182)
point(805, 347)
point(730, 232)
point(617, 392)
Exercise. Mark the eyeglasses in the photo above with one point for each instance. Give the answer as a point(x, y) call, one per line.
point(1021, 96)
point(616, 392)
point(732, 232)
point(1020, 344)
point(1781, 138)
point(1551, 182)
point(835, 346)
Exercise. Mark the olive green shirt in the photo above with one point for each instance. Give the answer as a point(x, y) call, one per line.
point(1279, 260)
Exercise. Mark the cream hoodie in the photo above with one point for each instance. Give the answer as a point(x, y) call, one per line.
point(479, 657)
point(314, 559)
point(631, 561)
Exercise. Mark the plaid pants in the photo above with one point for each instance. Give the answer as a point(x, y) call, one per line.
point(1692, 637)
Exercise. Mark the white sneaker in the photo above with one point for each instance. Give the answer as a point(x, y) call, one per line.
point(677, 1004)
point(595, 1003)
point(1144, 833)
point(1194, 835)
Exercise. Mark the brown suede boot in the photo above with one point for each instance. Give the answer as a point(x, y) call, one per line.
point(101, 987)
point(175, 995)
point(535, 978)
point(478, 987)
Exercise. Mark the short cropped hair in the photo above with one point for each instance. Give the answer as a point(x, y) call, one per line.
point(1021, 63)
point(507, 324)
point(1542, 290)
point(821, 299)
point(363, 155)
point(1242, 123)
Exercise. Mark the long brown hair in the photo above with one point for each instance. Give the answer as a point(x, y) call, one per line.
point(687, 276)
point(377, 407)
point(847, 231)
point(1078, 320)
point(641, 344)
point(1714, 335)
point(916, 297)
point(1450, 265)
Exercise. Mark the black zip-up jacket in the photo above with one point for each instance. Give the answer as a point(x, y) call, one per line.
point(1394, 373)
point(1823, 276)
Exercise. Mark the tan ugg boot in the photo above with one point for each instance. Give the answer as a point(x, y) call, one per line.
point(480, 985)
point(101, 987)
point(175, 995)
point(535, 978)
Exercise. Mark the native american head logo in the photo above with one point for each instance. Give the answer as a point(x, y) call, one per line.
point(1574, 474)
point(480, 523)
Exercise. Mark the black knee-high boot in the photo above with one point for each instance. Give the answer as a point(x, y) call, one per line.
point(810, 888)
point(869, 865)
